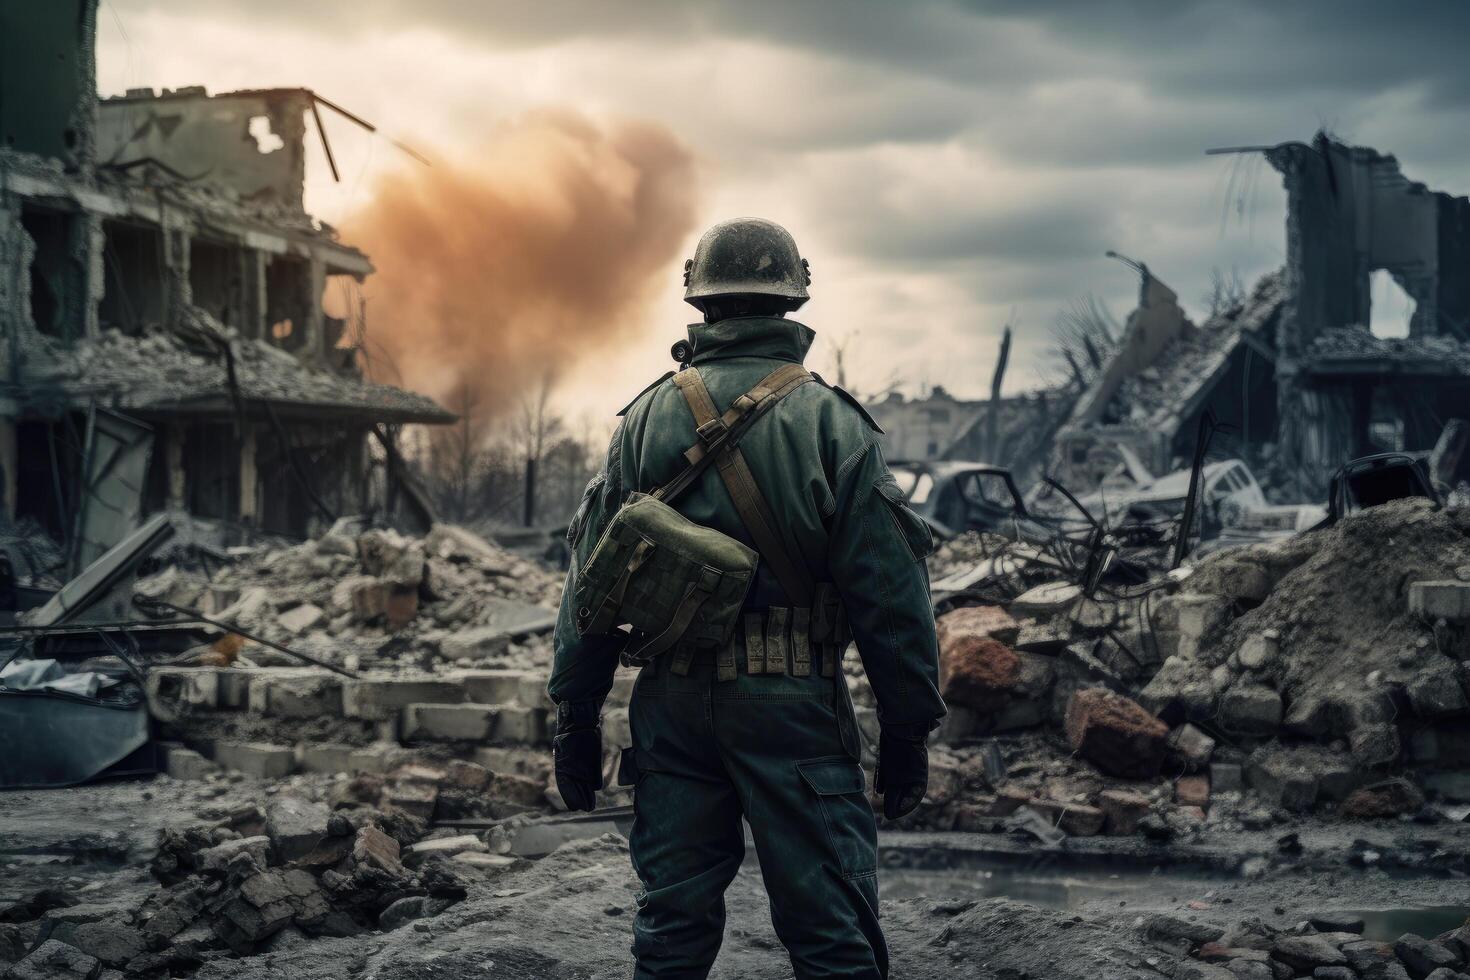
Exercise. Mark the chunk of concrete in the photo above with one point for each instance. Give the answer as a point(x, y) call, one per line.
point(186, 764)
point(55, 960)
point(494, 686)
point(1440, 599)
point(1122, 811)
point(381, 699)
point(1191, 746)
point(174, 692)
point(1259, 650)
point(1046, 600)
point(300, 619)
point(1250, 709)
point(376, 849)
point(260, 759)
point(295, 692)
point(1437, 691)
point(449, 722)
point(295, 826)
point(216, 859)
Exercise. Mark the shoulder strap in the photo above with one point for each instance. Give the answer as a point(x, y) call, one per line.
point(715, 443)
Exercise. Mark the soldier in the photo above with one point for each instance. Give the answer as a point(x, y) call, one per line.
point(772, 738)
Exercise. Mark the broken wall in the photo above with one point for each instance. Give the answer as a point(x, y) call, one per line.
point(1351, 211)
point(48, 80)
point(252, 143)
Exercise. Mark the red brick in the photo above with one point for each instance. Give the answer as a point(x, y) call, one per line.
point(980, 621)
point(1192, 791)
point(1115, 734)
point(978, 672)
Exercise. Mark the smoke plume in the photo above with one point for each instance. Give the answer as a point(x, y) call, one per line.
point(542, 249)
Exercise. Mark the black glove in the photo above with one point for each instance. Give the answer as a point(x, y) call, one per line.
point(577, 749)
point(903, 769)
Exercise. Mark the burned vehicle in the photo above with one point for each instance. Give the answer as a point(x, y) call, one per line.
point(955, 497)
point(1372, 480)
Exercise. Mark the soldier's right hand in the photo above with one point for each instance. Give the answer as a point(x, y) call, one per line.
point(903, 772)
point(577, 750)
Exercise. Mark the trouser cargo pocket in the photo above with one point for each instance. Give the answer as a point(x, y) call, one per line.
point(851, 829)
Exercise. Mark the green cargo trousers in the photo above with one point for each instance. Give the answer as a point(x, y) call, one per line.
point(769, 748)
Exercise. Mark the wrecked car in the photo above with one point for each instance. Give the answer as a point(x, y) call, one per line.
point(954, 497)
point(1372, 480)
point(1228, 491)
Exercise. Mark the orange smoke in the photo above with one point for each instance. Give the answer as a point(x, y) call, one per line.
point(542, 249)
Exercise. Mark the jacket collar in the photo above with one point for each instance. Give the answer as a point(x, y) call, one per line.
point(751, 336)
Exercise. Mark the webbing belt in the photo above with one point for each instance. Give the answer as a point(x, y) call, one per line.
point(750, 503)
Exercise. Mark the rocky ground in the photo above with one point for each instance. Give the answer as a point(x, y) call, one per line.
point(988, 906)
point(1254, 766)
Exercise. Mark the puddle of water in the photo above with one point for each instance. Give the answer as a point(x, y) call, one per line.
point(1386, 925)
point(1049, 888)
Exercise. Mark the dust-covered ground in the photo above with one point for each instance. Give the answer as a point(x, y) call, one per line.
point(974, 905)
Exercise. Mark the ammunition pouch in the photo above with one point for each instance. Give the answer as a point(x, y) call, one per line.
point(667, 578)
point(673, 582)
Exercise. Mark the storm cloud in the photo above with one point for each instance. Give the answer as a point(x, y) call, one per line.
point(948, 166)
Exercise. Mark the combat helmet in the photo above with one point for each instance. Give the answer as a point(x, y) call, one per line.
point(746, 257)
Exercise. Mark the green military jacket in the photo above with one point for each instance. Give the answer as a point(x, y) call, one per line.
point(817, 461)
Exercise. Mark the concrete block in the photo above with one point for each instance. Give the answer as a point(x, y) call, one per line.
point(328, 757)
point(449, 722)
point(1448, 599)
point(1250, 709)
point(234, 689)
point(1226, 777)
point(491, 686)
point(256, 758)
point(380, 699)
point(477, 643)
point(174, 692)
point(185, 763)
point(302, 618)
point(531, 691)
point(295, 692)
point(380, 757)
point(511, 761)
point(522, 725)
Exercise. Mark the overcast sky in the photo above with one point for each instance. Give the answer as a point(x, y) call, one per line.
point(946, 166)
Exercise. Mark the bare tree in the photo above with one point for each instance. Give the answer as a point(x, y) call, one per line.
point(1225, 293)
point(535, 428)
point(1084, 336)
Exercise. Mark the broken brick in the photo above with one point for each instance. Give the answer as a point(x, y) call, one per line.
point(1115, 734)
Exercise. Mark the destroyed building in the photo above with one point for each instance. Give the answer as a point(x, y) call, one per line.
point(1014, 431)
point(165, 339)
point(1294, 367)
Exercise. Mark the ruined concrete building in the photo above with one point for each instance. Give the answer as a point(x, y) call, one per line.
point(1294, 368)
point(942, 427)
point(163, 339)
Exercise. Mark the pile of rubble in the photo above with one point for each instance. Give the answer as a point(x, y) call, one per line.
point(1324, 947)
point(256, 880)
point(375, 598)
point(1325, 670)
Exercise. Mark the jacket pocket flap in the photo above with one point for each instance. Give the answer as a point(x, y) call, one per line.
point(832, 777)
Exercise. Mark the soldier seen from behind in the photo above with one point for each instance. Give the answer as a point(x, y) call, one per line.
point(744, 530)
